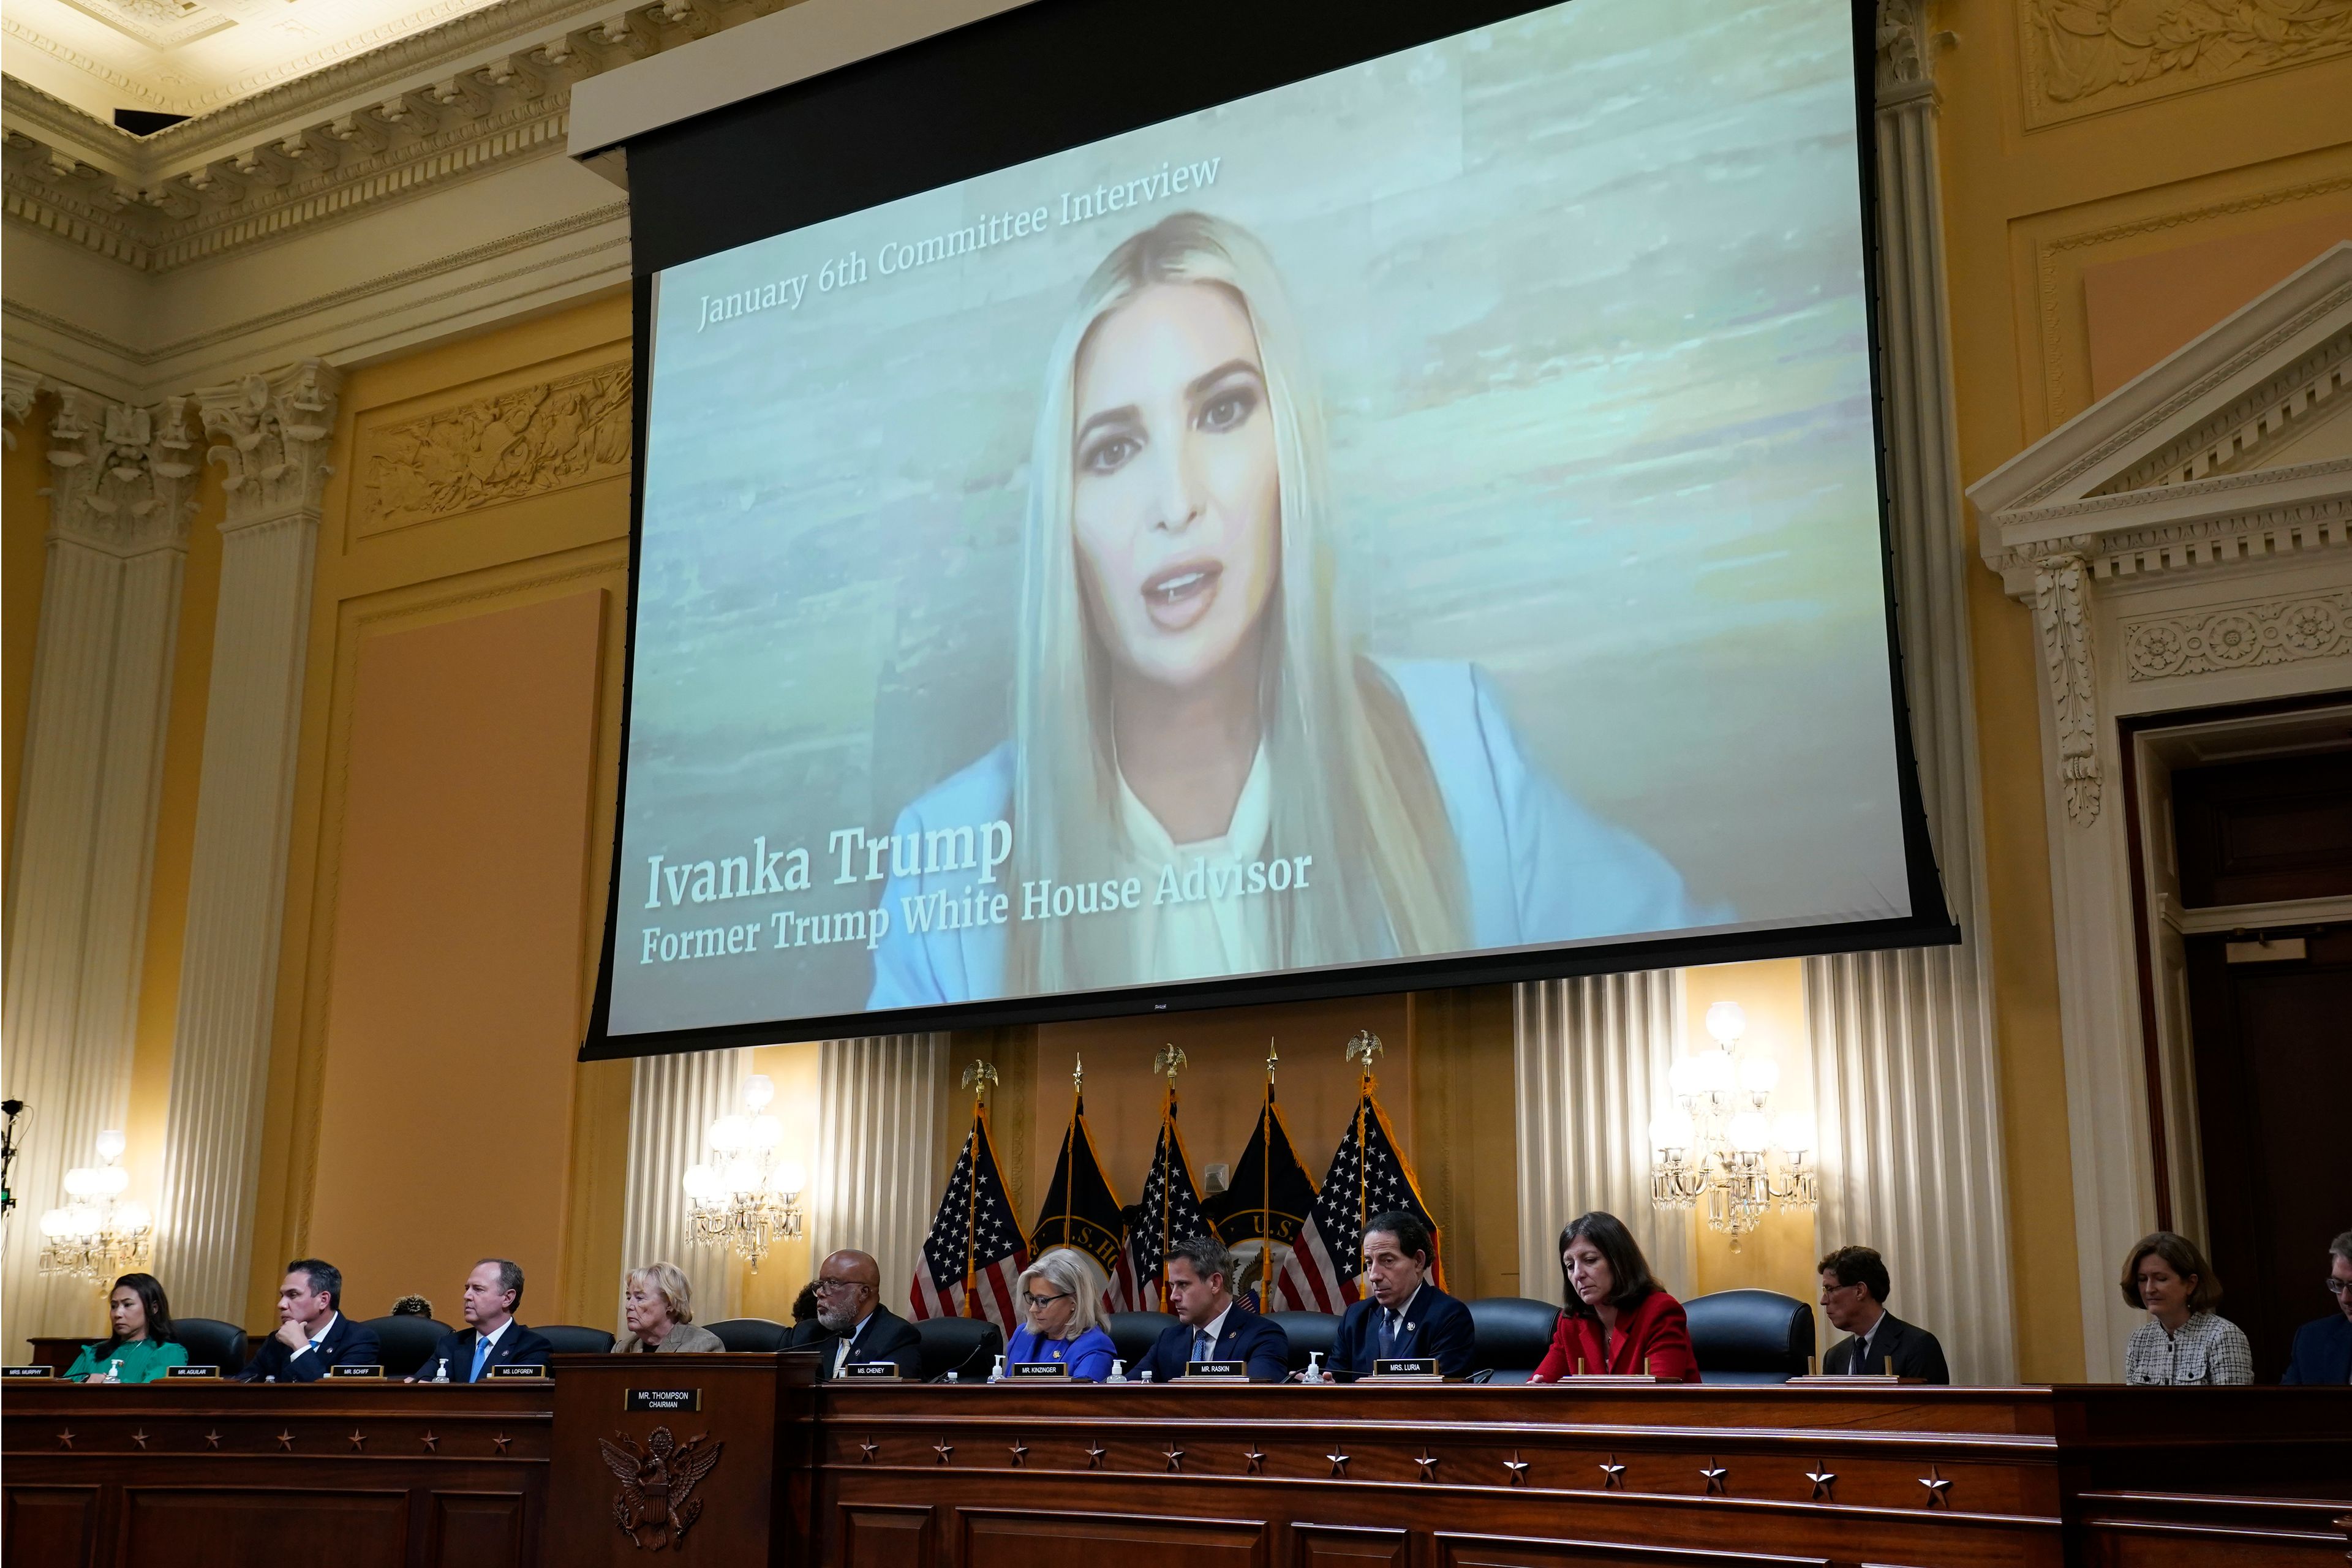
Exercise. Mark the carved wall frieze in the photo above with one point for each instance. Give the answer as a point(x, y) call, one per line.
point(2242, 636)
point(122, 479)
point(2226, 539)
point(2086, 56)
point(272, 432)
point(228, 180)
point(2060, 623)
point(535, 440)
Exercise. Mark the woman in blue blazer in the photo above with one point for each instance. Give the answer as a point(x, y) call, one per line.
point(1064, 1324)
point(1205, 777)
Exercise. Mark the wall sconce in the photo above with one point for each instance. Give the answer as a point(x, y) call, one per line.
point(1717, 1144)
point(746, 1198)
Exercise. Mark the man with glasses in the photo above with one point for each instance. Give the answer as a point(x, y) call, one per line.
point(2323, 1347)
point(1404, 1314)
point(1854, 1288)
point(852, 1324)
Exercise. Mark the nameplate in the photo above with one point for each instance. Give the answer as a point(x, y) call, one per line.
point(1848, 1379)
point(664, 1399)
point(528, 1374)
point(872, 1370)
point(1421, 1367)
point(1616, 1380)
point(1221, 1371)
point(1040, 1369)
point(200, 1374)
point(35, 1371)
point(356, 1370)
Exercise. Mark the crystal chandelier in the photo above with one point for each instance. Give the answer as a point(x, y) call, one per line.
point(1717, 1144)
point(746, 1198)
point(95, 1234)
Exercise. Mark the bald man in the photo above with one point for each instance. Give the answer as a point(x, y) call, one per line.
point(852, 1324)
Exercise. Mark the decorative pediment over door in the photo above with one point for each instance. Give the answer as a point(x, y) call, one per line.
point(2192, 524)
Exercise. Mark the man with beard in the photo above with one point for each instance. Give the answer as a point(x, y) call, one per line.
point(852, 1324)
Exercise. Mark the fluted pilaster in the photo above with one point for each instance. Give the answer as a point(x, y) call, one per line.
point(272, 432)
point(875, 1184)
point(122, 487)
point(1591, 1061)
point(1907, 1080)
point(673, 1100)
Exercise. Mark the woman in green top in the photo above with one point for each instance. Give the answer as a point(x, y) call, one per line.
point(143, 1346)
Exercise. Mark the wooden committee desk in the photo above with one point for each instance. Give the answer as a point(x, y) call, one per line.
point(769, 1467)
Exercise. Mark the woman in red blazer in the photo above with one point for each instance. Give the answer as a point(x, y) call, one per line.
point(1618, 1319)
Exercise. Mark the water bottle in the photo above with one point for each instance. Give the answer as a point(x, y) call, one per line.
point(1146, 1376)
point(441, 1372)
point(996, 1371)
point(1117, 1370)
point(952, 1377)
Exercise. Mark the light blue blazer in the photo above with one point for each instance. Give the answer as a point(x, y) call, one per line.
point(1540, 869)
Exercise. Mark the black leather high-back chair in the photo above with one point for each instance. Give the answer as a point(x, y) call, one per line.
point(572, 1339)
point(1750, 1336)
point(212, 1342)
point(406, 1342)
point(1132, 1334)
point(763, 1336)
point(1311, 1333)
point(967, 1347)
point(1509, 1335)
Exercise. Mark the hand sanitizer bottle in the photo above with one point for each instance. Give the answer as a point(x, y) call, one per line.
point(1315, 1372)
point(114, 1370)
point(441, 1372)
point(1117, 1370)
point(996, 1371)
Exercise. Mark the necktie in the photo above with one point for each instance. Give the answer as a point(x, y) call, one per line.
point(1200, 1344)
point(481, 1355)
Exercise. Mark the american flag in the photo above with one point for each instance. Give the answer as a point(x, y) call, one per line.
point(1169, 1212)
point(974, 1252)
point(1367, 1177)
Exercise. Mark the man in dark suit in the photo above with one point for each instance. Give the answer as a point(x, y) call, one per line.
point(2323, 1347)
point(491, 1337)
point(1209, 1326)
point(1405, 1315)
point(312, 1332)
point(852, 1324)
point(1854, 1288)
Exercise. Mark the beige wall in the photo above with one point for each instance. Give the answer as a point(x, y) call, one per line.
point(24, 556)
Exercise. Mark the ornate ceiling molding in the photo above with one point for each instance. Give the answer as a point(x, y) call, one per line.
point(486, 90)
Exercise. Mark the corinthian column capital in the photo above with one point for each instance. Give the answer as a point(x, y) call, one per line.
point(273, 428)
point(124, 478)
point(18, 388)
point(1906, 50)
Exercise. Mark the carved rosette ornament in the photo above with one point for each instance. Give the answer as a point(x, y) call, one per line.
point(123, 478)
point(273, 431)
point(2059, 619)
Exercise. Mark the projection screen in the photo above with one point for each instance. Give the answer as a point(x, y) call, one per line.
point(1415, 521)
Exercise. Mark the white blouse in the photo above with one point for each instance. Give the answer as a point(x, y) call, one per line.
point(1202, 938)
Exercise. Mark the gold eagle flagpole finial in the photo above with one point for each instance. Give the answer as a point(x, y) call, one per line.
point(1365, 1045)
point(1169, 1062)
point(980, 1078)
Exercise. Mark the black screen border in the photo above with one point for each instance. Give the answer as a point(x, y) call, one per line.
point(690, 196)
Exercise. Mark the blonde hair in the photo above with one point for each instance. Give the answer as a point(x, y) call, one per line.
point(1062, 1267)
point(1354, 784)
point(668, 1281)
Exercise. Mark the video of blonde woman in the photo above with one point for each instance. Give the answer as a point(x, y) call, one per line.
point(1430, 508)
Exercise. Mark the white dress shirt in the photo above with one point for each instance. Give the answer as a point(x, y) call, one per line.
point(1213, 1328)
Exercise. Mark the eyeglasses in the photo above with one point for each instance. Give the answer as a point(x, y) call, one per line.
point(1044, 1301)
point(2337, 1287)
point(831, 1287)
